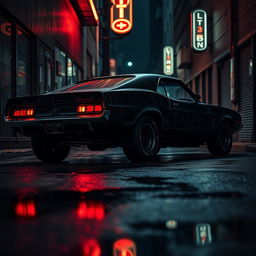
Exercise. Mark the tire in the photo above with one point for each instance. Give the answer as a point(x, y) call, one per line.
point(49, 149)
point(142, 143)
point(221, 144)
point(95, 147)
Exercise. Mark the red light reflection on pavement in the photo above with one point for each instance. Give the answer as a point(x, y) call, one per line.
point(90, 210)
point(91, 248)
point(124, 247)
point(87, 182)
point(26, 209)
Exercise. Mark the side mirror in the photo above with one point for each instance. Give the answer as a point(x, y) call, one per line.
point(197, 97)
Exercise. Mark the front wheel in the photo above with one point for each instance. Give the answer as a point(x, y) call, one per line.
point(221, 143)
point(142, 143)
point(49, 149)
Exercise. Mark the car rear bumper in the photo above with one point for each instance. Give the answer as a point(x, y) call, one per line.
point(75, 126)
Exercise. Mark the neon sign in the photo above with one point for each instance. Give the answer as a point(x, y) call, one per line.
point(199, 30)
point(121, 16)
point(203, 234)
point(6, 29)
point(168, 60)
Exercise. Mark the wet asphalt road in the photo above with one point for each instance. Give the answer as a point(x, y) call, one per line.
point(100, 204)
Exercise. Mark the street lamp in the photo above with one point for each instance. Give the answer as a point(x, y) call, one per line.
point(129, 64)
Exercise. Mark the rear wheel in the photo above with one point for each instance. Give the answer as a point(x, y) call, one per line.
point(49, 149)
point(142, 143)
point(221, 143)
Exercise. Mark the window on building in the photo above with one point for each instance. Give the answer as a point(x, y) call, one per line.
point(75, 75)
point(45, 70)
point(61, 73)
point(24, 64)
point(69, 71)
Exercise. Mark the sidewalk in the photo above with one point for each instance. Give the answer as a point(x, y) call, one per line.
point(244, 147)
point(11, 147)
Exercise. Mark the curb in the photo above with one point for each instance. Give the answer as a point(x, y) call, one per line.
point(250, 148)
point(12, 153)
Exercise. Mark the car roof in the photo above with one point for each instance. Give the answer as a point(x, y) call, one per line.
point(146, 81)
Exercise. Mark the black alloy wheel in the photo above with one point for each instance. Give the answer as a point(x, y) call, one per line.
point(142, 143)
point(221, 143)
point(49, 149)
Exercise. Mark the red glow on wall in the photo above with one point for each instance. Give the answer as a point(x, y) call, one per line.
point(62, 24)
point(88, 12)
point(26, 209)
point(124, 247)
point(91, 248)
point(90, 210)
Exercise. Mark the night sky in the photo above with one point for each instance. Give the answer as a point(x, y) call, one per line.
point(134, 46)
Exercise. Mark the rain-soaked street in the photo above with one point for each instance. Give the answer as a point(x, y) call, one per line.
point(99, 203)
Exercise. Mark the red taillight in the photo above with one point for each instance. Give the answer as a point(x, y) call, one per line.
point(23, 112)
point(90, 109)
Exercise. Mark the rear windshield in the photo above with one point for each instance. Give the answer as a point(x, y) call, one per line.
point(98, 83)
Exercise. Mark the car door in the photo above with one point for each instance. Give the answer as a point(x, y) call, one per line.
point(186, 113)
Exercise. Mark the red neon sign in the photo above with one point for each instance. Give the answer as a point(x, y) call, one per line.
point(121, 16)
point(6, 29)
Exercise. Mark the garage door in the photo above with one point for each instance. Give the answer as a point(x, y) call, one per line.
point(224, 84)
point(246, 92)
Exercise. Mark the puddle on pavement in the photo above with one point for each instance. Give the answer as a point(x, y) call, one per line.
point(75, 223)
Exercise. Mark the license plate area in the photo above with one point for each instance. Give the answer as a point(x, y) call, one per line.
point(54, 128)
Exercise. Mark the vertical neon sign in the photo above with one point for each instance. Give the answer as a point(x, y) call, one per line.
point(168, 55)
point(199, 30)
point(121, 16)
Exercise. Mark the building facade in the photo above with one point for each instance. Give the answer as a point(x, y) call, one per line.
point(45, 45)
point(224, 74)
point(161, 32)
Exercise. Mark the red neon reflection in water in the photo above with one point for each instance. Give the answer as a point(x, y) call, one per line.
point(124, 247)
point(91, 248)
point(87, 182)
point(90, 210)
point(25, 209)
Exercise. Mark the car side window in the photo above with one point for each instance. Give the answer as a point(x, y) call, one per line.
point(176, 91)
point(161, 89)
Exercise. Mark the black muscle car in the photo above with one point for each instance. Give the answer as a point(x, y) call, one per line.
point(140, 112)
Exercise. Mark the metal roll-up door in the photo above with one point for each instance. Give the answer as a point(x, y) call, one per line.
point(246, 91)
point(224, 84)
